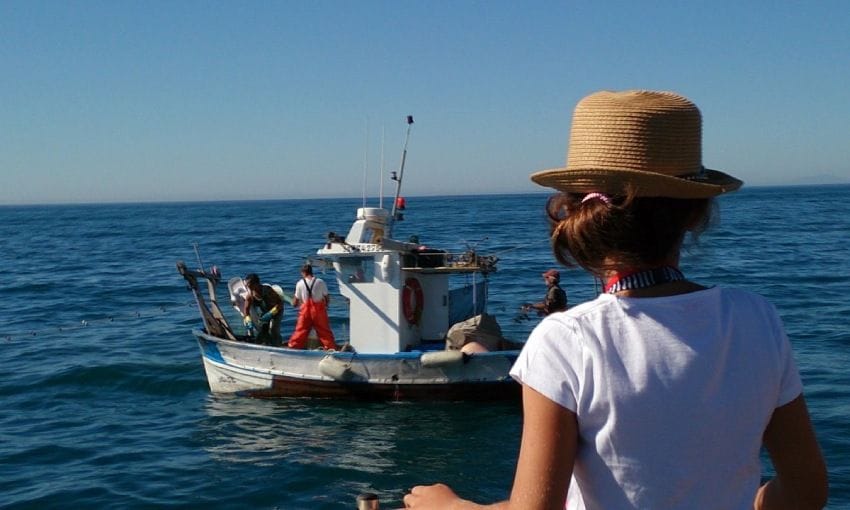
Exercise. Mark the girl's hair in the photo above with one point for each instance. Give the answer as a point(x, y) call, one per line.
point(607, 233)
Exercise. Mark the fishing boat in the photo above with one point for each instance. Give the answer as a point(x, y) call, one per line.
point(418, 327)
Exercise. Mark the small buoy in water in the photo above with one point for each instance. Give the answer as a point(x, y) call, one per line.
point(400, 203)
point(441, 358)
point(334, 368)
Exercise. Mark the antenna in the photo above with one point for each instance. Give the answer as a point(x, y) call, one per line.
point(198, 255)
point(400, 176)
point(365, 161)
point(381, 188)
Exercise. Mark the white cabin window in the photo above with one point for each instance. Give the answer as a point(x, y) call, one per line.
point(357, 269)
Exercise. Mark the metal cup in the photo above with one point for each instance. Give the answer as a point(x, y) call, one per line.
point(367, 501)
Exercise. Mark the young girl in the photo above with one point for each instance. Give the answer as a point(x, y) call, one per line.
point(659, 393)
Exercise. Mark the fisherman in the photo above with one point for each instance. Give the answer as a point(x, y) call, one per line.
point(270, 306)
point(312, 298)
point(556, 297)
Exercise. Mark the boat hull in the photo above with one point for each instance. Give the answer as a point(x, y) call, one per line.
point(235, 367)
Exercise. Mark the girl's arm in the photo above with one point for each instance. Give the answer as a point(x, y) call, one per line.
point(801, 480)
point(546, 455)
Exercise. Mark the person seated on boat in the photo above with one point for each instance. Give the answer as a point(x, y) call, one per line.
point(312, 299)
point(556, 297)
point(270, 306)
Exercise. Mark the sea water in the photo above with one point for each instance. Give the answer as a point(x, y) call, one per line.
point(104, 403)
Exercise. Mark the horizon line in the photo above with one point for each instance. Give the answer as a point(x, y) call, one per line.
point(352, 197)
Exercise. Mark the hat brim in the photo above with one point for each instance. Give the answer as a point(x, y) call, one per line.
point(709, 183)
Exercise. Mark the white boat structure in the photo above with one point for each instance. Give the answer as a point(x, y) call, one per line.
point(417, 323)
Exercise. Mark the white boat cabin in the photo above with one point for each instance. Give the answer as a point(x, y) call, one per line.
point(398, 292)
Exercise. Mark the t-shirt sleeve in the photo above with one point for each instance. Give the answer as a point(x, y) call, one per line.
point(550, 361)
point(790, 385)
point(300, 290)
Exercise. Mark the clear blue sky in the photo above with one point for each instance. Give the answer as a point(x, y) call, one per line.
point(105, 101)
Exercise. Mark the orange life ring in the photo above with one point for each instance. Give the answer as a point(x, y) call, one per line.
point(412, 300)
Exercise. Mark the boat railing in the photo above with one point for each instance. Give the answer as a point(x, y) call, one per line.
point(368, 247)
point(417, 258)
point(438, 261)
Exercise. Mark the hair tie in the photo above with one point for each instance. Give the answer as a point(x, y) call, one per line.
point(601, 196)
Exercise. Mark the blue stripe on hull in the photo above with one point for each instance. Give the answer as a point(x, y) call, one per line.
point(210, 350)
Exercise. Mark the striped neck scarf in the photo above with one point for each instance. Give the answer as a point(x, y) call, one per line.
point(642, 279)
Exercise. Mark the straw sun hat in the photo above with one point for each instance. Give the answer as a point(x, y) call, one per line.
point(647, 141)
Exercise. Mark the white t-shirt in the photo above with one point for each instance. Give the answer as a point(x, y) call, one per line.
point(672, 395)
point(319, 290)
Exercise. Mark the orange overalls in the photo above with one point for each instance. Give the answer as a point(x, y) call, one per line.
point(312, 315)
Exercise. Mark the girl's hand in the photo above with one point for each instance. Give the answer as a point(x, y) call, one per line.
point(436, 497)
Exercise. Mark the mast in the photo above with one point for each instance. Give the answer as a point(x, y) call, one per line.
point(381, 180)
point(365, 161)
point(399, 177)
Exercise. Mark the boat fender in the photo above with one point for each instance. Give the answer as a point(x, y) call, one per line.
point(334, 368)
point(442, 358)
point(412, 300)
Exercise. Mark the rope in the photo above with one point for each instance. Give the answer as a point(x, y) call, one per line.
point(85, 323)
